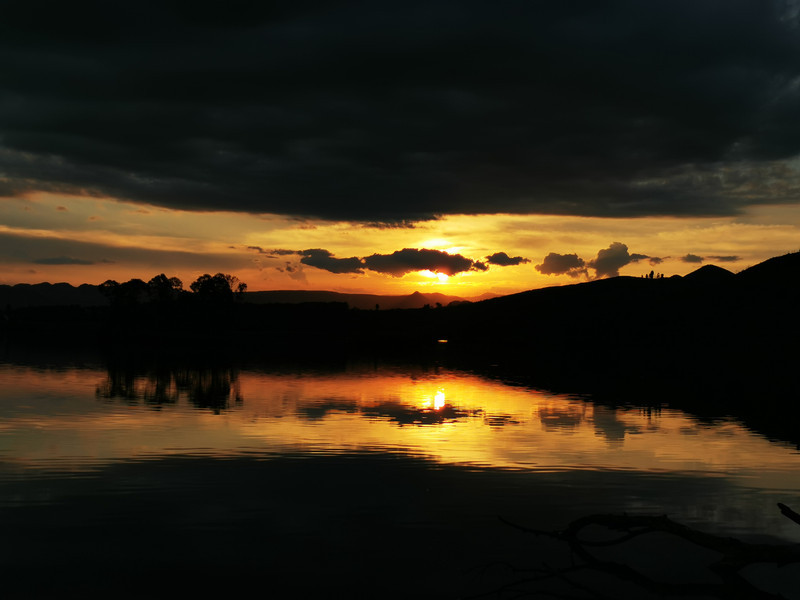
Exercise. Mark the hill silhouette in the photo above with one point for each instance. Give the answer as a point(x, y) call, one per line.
point(50, 294)
point(709, 274)
point(86, 295)
point(360, 301)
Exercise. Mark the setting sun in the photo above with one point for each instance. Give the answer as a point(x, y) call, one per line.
point(441, 277)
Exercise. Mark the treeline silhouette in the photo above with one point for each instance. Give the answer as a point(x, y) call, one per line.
point(220, 289)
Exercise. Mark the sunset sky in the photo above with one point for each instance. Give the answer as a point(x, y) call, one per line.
point(386, 147)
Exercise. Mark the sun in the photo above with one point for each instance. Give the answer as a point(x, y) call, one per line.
point(441, 277)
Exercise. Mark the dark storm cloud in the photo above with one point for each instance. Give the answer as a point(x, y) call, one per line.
point(400, 262)
point(692, 258)
point(504, 260)
point(562, 264)
point(398, 111)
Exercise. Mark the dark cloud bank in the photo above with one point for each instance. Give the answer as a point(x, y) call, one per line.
point(396, 111)
point(397, 264)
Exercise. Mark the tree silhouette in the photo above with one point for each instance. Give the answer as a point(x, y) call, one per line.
point(130, 293)
point(218, 289)
point(110, 289)
point(133, 291)
point(163, 289)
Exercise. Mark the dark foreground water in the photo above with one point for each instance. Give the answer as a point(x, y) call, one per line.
point(372, 481)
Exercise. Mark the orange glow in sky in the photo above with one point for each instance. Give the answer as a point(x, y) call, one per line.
point(75, 239)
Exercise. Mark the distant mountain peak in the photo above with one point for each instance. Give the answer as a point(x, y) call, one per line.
point(709, 273)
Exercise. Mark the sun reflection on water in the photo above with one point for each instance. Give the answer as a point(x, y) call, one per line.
point(437, 402)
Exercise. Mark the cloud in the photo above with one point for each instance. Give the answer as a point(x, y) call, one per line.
point(504, 260)
point(397, 264)
point(610, 260)
point(653, 260)
point(393, 112)
point(63, 260)
point(400, 262)
point(562, 264)
point(271, 253)
point(405, 224)
point(322, 259)
point(25, 249)
point(725, 258)
point(607, 263)
point(692, 258)
point(294, 271)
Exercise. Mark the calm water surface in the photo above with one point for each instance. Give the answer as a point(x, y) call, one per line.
point(357, 475)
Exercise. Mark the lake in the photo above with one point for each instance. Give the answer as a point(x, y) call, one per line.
point(369, 479)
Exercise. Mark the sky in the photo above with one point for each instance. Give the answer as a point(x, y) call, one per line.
point(385, 147)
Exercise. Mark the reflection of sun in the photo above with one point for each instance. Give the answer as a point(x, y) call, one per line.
point(437, 403)
point(442, 277)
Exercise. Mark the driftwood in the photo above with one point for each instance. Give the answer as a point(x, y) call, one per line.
point(735, 556)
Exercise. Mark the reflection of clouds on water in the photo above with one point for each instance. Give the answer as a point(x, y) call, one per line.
point(392, 410)
point(478, 422)
point(214, 388)
point(607, 424)
point(562, 415)
point(319, 410)
point(429, 413)
point(499, 420)
point(403, 414)
point(429, 409)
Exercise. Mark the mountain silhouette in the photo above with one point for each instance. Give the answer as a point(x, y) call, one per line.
point(64, 294)
point(360, 301)
point(50, 294)
point(709, 275)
